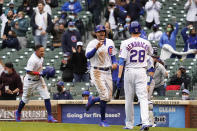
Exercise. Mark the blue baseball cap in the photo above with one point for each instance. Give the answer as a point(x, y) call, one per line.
point(99, 28)
point(71, 23)
point(85, 93)
point(155, 26)
point(60, 83)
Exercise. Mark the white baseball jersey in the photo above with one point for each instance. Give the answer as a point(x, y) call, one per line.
point(102, 57)
point(135, 51)
point(34, 64)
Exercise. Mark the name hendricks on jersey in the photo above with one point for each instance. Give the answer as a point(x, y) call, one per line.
point(137, 44)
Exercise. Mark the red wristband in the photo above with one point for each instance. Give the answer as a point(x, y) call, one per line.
point(36, 73)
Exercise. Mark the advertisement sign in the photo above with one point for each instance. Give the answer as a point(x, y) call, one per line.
point(165, 116)
point(77, 114)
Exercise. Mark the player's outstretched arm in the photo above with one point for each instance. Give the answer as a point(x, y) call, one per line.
point(35, 73)
point(121, 67)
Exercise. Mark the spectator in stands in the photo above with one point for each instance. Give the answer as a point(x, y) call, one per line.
point(152, 8)
point(52, 3)
point(20, 26)
point(67, 68)
point(70, 38)
point(62, 94)
point(57, 33)
point(181, 78)
point(169, 37)
point(79, 62)
point(72, 5)
point(41, 25)
point(11, 41)
point(11, 7)
point(6, 20)
point(191, 6)
point(10, 83)
point(185, 94)
point(46, 9)
point(156, 34)
point(33, 3)
point(86, 95)
point(26, 8)
point(95, 6)
point(159, 75)
point(189, 39)
point(126, 26)
point(1, 67)
point(113, 14)
point(72, 17)
point(109, 33)
point(133, 9)
point(119, 33)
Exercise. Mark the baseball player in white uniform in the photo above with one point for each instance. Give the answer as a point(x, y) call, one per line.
point(33, 80)
point(134, 51)
point(101, 52)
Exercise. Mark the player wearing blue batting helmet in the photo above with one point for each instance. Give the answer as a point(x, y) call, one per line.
point(99, 28)
point(135, 27)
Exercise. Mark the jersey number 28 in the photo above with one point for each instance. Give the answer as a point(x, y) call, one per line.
point(137, 56)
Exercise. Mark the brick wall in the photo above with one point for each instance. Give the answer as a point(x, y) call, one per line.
point(193, 116)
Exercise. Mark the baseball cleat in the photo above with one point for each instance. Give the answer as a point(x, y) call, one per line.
point(17, 116)
point(90, 103)
point(127, 128)
point(144, 128)
point(51, 119)
point(104, 124)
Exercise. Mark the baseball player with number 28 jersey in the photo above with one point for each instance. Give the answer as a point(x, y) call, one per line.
point(133, 55)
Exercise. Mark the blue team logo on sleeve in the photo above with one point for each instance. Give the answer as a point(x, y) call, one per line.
point(73, 38)
point(110, 50)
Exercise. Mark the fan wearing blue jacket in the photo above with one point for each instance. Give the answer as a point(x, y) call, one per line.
point(72, 6)
point(189, 39)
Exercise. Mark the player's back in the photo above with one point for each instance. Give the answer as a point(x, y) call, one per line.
point(135, 51)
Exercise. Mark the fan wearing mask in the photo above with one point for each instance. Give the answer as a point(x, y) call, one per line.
point(67, 68)
point(10, 83)
point(70, 38)
point(62, 94)
point(73, 17)
point(185, 94)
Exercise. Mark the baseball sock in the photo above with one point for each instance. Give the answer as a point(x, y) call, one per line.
point(102, 109)
point(96, 99)
point(20, 107)
point(48, 106)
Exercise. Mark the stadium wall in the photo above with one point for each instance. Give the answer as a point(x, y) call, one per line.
point(168, 113)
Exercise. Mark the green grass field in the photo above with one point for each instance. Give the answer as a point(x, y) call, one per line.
point(42, 126)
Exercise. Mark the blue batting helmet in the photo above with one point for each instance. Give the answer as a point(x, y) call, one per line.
point(49, 71)
point(135, 27)
point(99, 28)
point(60, 83)
point(85, 93)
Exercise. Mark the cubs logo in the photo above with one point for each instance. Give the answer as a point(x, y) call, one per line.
point(73, 38)
point(110, 49)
